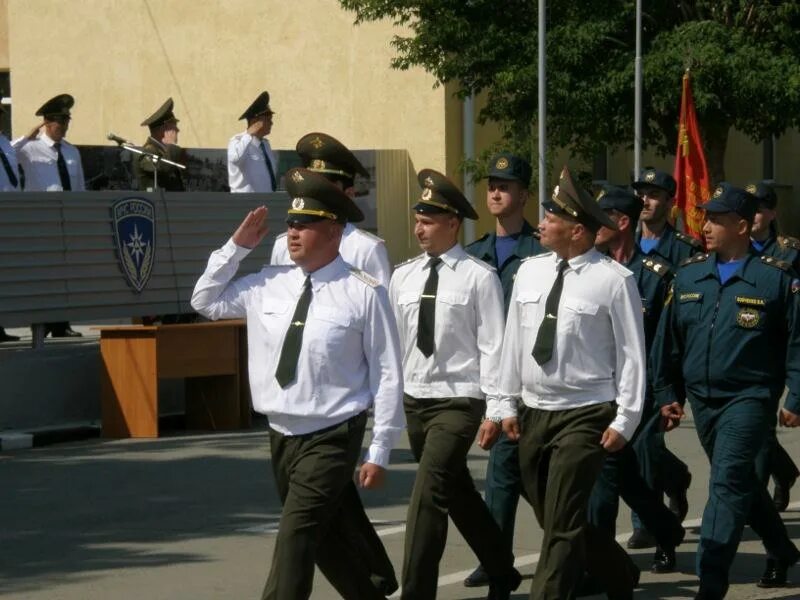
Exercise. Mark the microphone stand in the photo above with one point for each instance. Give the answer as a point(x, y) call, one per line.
point(154, 158)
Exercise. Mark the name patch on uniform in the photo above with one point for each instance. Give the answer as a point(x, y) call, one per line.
point(750, 301)
point(690, 296)
point(748, 317)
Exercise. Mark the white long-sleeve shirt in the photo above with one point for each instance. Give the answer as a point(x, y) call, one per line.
point(599, 352)
point(350, 354)
point(468, 330)
point(11, 157)
point(359, 248)
point(247, 171)
point(39, 161)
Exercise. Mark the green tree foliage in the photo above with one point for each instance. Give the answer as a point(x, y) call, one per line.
point(744, 58)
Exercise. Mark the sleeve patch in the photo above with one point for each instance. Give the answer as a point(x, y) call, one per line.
point(365, 277)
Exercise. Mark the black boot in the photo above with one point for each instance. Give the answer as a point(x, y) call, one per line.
point(774, 575)
point(641, 538)
point(478, 578)
point(780, 496)
point(663, 560)
point(500, 588)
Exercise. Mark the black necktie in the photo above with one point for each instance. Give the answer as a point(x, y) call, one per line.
point(287, 364)
point(269, 166)
point(546, 337)
point(63, 174)
point(12, 178)
point(427, 309)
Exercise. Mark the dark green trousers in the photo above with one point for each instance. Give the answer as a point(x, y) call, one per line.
point(560, 459)
point(323, 520)
point(441, 432)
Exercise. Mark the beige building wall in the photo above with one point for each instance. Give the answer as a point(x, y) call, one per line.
point(4, 60)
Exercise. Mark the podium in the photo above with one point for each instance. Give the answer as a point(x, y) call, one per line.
point(211, 357)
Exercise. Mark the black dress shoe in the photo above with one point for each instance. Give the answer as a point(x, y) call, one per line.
point(641, 538)
point(68, 332)
point(478, 578)
point(500, 588)
point(663, 560)
point(679, 503)
point(590, 586)
point(780, 496)
point(774, 575)
point(7, 337)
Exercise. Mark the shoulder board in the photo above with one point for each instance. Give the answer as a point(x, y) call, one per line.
point(535, 256)
point(788, 243)
point(365, 277)
point(369, 235)
point(659, 267)
point(485, 265)
point(615, 266)
point(483, 238)
point(775, 262)
point(409, 261)
point(687, 239)
point(697, 258)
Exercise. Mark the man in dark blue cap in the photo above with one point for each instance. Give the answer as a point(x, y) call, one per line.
point(449, 310)
point(729, 342)
point(163, 142)
point(657, 188)
point(252, 165)
point(512, 240)
point(766, 239)
point(324, 349)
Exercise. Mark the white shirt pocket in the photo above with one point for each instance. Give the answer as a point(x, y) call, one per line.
point(530, 304)
point(577, 312)
point(275, 315)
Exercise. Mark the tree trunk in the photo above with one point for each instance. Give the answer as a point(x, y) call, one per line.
point(715, 141)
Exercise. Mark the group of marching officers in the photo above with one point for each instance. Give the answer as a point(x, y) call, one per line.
point(568, 349)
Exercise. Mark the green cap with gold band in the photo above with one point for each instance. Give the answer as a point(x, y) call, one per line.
point(162, 115)
point(440, 195)
point(325, 154)
point(57, 108)
point(573, 202)
point(314, 198)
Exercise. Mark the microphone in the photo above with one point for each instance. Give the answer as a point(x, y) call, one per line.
point(117, 139)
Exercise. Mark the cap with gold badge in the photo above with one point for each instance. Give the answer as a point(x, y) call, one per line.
point(573, 202)
point(441, 196)
point(729, 198)
point(57, 108)
point(325, 154)
point(511, 167)
point(162, 115)
point(764, 193)
point(655, 178)
point(613, 197)
point(314, 198)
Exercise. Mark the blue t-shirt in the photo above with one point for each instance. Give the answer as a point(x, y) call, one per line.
point(504, 246)
point(648, 244)
point(726, 270)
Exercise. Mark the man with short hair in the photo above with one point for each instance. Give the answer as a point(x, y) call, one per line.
point(51, 164)
point(574, 354)
point(765, 239)
point(504, 249)
point(729, 342)
point(657, 188)
point(163, 142)
point(622, 472)
point(323, 349)
point(326, 155)
point(449, 310)
point(252, 165)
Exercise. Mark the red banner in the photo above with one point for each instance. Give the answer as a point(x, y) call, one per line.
point(691, 173)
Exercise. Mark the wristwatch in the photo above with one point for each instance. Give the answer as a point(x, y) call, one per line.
point(497, 420)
